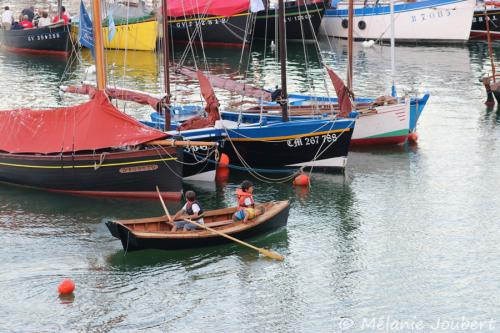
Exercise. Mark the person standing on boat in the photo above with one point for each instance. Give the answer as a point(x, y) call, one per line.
point(7, 18)
point(62, 16)
point(44, 20)
point(26, 23)
point(194, 211)
point(30, 12)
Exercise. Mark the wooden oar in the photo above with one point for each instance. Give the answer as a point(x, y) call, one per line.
point(164, 206)
point(267, 253)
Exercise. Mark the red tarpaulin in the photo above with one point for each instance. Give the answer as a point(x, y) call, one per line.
point(178, 8)
point(343, 93)
point(96, 124)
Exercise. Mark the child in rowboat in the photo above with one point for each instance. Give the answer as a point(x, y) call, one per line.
point(246, 205)
point(194, 211)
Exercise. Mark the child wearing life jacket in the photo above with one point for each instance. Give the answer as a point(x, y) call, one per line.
point(194, 211)
point(246, 205)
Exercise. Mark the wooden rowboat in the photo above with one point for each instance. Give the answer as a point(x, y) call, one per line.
point(155, 232)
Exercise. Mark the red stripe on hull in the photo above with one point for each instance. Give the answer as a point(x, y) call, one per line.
point(391, 140)
point(174, 196)
point(483, 35)
point(31, 51)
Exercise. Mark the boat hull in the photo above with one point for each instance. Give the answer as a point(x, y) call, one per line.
point(302, 22)
point(422, 21)
point(45, 40)
point(478, 29)
point(138, 36)
point(134, 242)
point(117, 174)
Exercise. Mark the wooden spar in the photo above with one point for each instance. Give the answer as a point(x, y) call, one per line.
point(282, 41)
point(350, 21)
point(180, 143)
point(490, 48)
point(99, 46)
point(59, 7)
point(166, 61)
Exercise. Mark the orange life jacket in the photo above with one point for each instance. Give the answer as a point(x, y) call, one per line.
point(242, 196)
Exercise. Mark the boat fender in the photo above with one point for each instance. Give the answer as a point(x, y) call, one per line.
point(413, 137)
point(353, 114)
point(301, 180)
point(345, 23)
point(362, 25)
point(223, 161)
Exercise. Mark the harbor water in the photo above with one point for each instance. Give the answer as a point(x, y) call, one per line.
point(406, 240)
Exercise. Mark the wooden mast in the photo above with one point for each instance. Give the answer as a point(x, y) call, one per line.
point(282, 41)
point(59, 7)
point(166, 63)
point(350, 22)
point(490, 48)
point(99, 46)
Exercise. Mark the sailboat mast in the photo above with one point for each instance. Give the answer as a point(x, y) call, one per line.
point(98, 46)
point(166, 62)
point(59, 7)
point(282, 41)
point(349, 42)
point(393, 48)
point(490, 48)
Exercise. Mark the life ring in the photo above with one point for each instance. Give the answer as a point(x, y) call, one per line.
point(345, 23)
point(362, 25)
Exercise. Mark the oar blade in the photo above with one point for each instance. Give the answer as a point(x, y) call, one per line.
point(272, 255)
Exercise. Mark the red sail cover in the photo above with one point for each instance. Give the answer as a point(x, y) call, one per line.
point(96, 124)
point(342, 93)
point(230, 85)
point(117, 93)
point(178, 8)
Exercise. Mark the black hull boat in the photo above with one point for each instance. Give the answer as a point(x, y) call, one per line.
point(52, 40)
point(108, 173)
point(479, 30)
point(88, 149)
point(302, 22)
point(155, 233)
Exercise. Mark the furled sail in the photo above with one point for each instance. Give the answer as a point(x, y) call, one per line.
point(93, 125)
point(212, 107)
point(343, 93)
point(123, 94)
point(230, 85)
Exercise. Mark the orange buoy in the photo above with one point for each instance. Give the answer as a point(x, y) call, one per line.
point(301, 180)
point(66, 287)
point(413, 137)
point(223, 161)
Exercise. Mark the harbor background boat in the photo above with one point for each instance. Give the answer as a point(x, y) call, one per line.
point(410, 234)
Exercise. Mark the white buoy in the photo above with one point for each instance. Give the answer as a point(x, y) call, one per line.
point(368, 43)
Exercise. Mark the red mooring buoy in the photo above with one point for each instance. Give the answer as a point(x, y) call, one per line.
point(223, 161)
point(413, 137)
point(66, 287)
point(301, 180)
